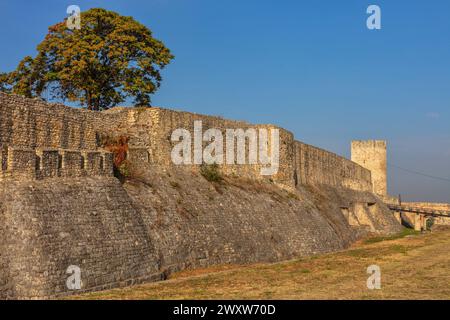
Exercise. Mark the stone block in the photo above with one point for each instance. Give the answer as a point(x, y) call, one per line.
point(48, 163)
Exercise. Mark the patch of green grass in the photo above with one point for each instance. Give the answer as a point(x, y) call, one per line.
point(123, 170)
point(305, 271)
point(399, 249)
point(211, 172)
point(268, 294)
point(175, 184)
point(405, 232)
point(291, 195)
point(357, 253)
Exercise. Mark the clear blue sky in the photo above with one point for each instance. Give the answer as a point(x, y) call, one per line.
point(309, 66)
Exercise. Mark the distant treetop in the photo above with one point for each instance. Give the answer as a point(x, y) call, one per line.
point(108, 59)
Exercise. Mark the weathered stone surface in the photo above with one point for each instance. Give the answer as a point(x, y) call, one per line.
point(30, 124)
point(147, 227)
point(60, 204)
point(371, 155)
point(48, 225)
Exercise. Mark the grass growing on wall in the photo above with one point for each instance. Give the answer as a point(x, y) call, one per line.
point(211, 172)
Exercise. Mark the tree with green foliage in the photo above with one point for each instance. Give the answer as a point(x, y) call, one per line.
point(109, 59)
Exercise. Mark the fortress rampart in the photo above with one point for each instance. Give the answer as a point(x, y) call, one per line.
point(156, 127)
point(318, 166)
point(371, 154)
point(299, 163)
point(40, 140)
point(48, 163)
point(60, 204)
point(31, 124)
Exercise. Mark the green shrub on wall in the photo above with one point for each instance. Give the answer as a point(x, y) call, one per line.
point(430, 223)
point(211, 172)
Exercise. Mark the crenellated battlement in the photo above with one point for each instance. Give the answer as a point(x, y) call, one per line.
point(37, 164)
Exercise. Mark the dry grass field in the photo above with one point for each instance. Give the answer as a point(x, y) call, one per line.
point(413, 266)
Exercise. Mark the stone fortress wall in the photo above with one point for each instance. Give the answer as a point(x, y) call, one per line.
point(372, 155)
point(315, 165)
point(28, 124)
point(299, 163)
point(47, 163)
point(151, 130)
point(430, 205)
point(40, 140)
point(61, 206)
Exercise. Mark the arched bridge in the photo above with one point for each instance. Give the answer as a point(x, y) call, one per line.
point(418, 216)
point(419, 210)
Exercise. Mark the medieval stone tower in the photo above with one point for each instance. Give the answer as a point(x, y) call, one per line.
point(371, 154)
